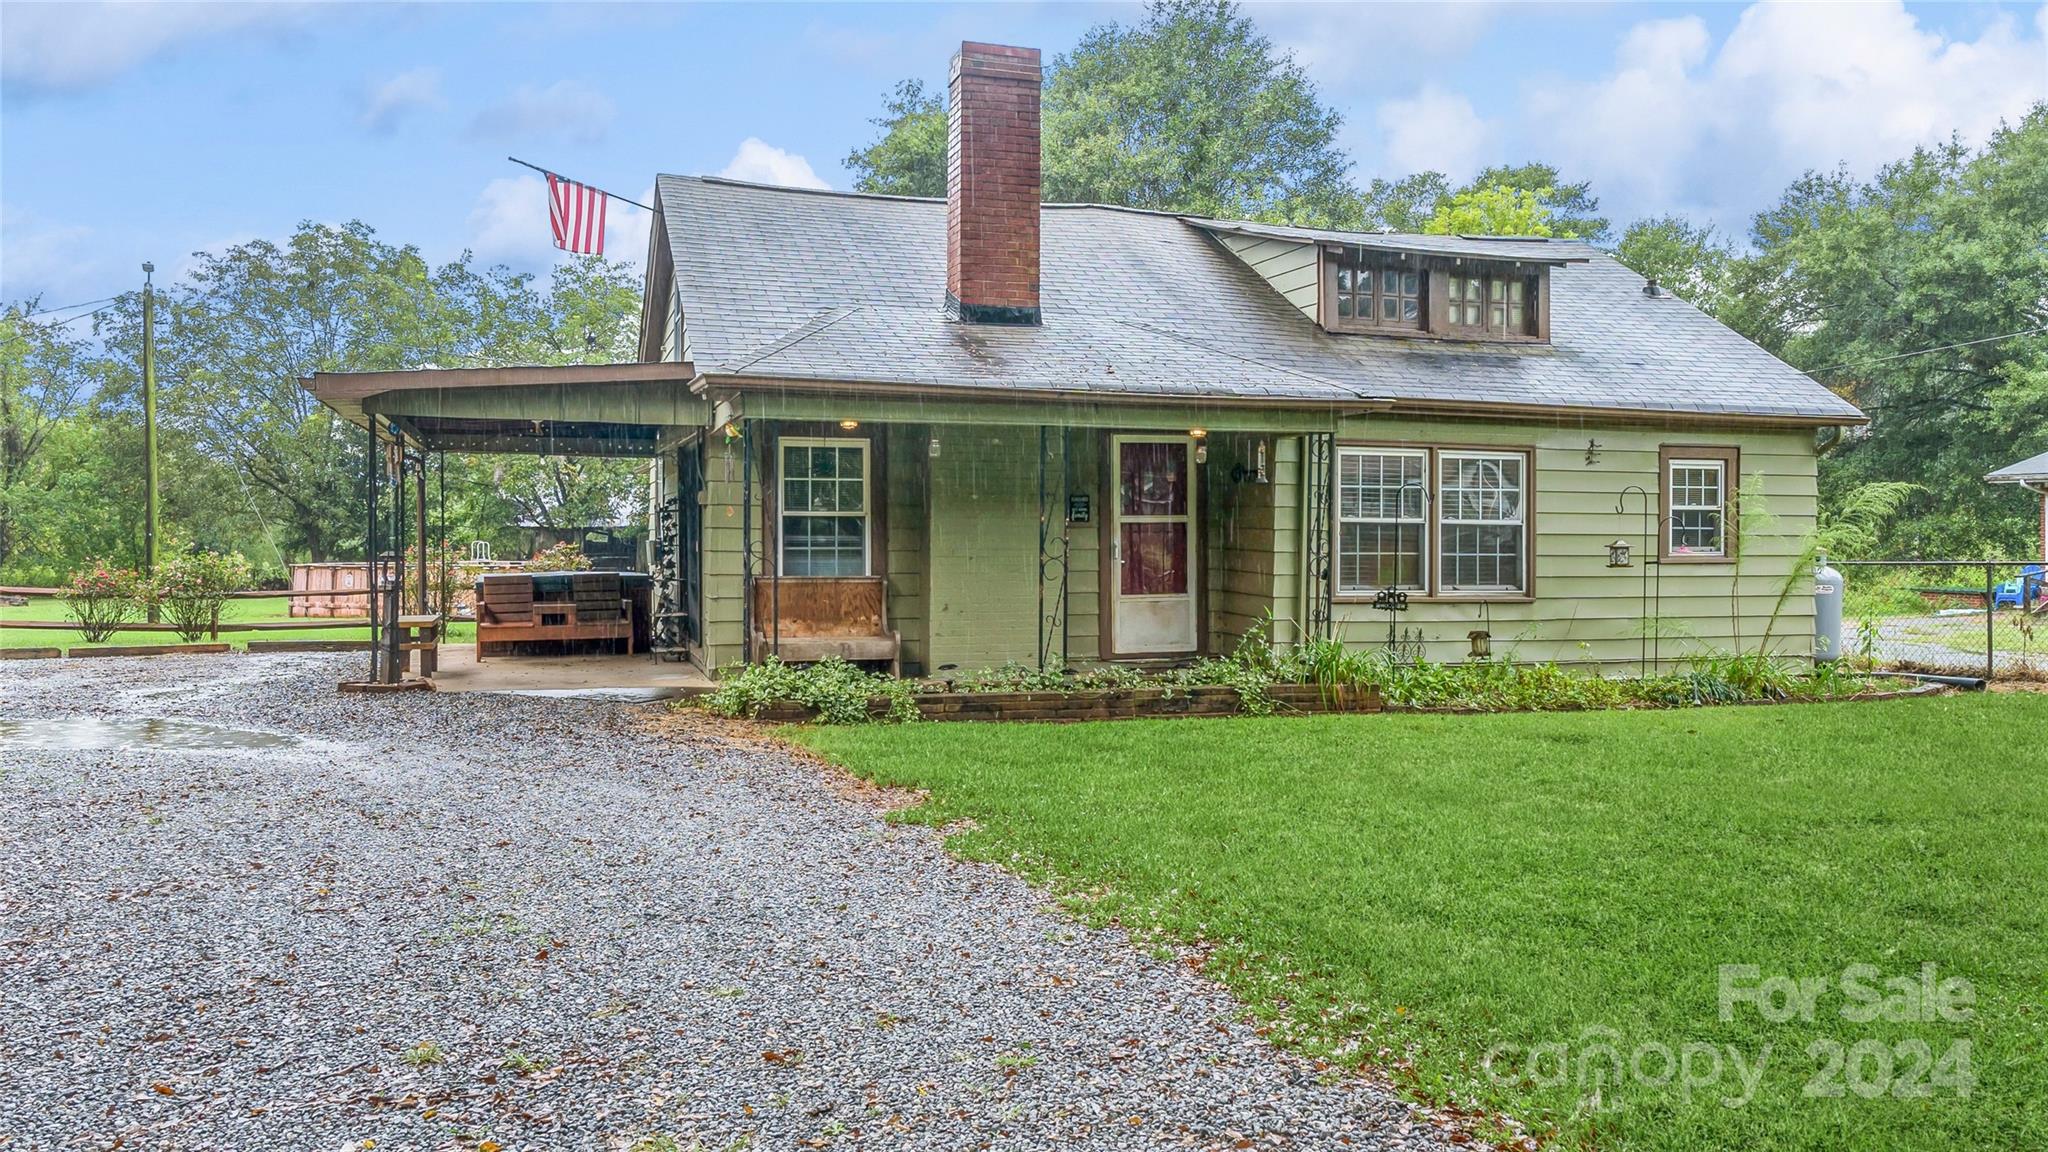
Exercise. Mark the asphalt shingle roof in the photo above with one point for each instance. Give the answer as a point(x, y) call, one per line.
point(790, 284)
point(2032, 468)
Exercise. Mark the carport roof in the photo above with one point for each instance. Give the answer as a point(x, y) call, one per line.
point(346, 392)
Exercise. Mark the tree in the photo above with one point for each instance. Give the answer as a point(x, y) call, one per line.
point(1407, 204)
point(1690, 259)
point(909, 158)
point(1189, 110)
point(1495, 210)
point(43, 379)
point(1918, 295)
point(1571, 209)
point(1504, 200)
point(591, 316)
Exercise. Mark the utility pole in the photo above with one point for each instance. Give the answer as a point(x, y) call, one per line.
point(149, 428)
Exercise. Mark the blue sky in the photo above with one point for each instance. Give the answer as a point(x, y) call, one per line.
point(134, 132)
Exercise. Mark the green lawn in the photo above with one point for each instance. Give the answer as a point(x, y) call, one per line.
point(237, 611)
point(1436, 886)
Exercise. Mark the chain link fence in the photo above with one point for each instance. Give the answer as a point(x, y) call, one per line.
point(1949, 617)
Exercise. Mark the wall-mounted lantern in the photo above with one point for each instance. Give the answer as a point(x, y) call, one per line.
point(1261, 458)
point(932, 449)
point(1617, 555)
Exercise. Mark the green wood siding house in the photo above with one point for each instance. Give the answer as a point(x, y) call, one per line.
point(995, 430)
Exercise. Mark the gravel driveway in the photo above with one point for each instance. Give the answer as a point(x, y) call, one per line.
point(475, 921)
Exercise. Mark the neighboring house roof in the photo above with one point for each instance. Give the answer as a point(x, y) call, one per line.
point(2032, 468)
point(781, 284)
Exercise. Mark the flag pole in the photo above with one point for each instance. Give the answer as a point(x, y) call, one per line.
point(549, 172)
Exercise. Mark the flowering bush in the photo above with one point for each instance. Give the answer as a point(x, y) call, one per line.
point(191, 587)
point(101, 597)
point(564, 557)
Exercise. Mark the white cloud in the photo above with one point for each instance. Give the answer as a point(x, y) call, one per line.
point(766, 164)
point(389, 101)
point(1678, 123)
point(49, 258)
point(1435, 129)
point(509, 225)
point(564, 110)
point(1339, 43)
point(70, 47)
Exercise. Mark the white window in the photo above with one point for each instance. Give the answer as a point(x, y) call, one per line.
point(1381, 522)
point(1482, 539)
point(1699, 507)
point(824, 509)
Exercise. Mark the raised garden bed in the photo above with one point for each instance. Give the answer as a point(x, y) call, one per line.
point(1103, 704)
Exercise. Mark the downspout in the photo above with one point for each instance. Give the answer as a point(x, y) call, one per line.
point(2041, 488)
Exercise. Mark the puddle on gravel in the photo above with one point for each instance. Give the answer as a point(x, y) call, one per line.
point(80, 732)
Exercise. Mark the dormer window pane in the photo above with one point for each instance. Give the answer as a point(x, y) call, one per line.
point(1373, 292)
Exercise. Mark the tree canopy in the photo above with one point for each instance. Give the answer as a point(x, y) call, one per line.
point(1190, 109)
point(248, 459)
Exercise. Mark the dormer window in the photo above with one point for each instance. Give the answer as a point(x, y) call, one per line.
point(1494, 303)
point(1371, 292)
point(1451, 297)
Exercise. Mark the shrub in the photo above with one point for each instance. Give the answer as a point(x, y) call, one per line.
point(190, 588)
point(564, 557)
point(101, 597)
point(837, 691)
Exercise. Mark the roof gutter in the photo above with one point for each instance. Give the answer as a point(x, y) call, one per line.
point(1349, 406)
point(1360, 405)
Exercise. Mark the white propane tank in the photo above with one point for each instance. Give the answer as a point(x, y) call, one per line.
point(1827, 612)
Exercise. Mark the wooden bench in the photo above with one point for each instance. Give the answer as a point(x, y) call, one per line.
point(597, 609)
point(807, 618)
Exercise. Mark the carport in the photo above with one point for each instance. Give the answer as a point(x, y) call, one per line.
point(412, 419)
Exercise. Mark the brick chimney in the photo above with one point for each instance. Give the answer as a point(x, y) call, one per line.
point(992, 186)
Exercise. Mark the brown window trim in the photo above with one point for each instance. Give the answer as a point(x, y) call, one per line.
point(1731, 519)
point(1326, 273)
point(1435, 319)
point(1433, 593)
point(1536, 288)
point(771, 491)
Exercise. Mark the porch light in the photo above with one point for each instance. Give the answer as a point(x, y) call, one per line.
point(932, 449)
point(1201, 452)
point(1617, 555)
point(848, 425)
point(1197, 433)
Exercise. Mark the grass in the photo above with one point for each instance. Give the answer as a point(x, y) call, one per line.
point(236, 612)
point(1409, 892)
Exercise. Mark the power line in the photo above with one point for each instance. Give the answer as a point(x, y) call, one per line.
point(1927, 351)
point(68, 307)
point(22, 339)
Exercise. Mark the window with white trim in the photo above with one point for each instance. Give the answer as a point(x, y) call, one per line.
point(824, 507)
point(1482, 537)
point(1382, 494)
point(1697, 491)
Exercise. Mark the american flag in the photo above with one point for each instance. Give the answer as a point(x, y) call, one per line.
point(576, 211)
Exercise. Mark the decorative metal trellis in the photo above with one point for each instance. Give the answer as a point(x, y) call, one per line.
point(1055, 531)
point(1321, 465)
